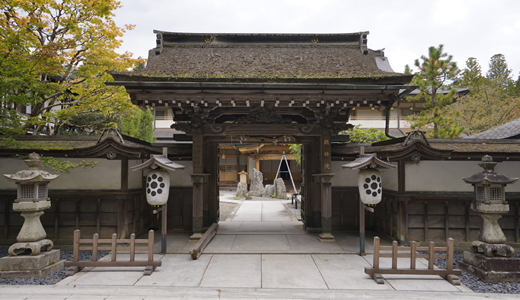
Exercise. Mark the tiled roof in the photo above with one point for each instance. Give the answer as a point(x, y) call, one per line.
point(504, 131)
point(340, 58)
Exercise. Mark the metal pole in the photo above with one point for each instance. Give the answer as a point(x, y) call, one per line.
point(164, 228)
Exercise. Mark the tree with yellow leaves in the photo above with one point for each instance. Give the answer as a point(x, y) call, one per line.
point(55, 57)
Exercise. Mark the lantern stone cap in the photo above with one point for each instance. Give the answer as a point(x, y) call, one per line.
point(33, 174)
point(489, 176)
point(243, 172)
point(368, 160)
point(158, 161)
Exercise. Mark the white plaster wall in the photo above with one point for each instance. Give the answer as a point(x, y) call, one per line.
point(106, 175)
point(446, 176)
point(390, 178)
point(135, 180)
point(10, 166)
point(182, 177)
point(510, 169)
point(343, 177)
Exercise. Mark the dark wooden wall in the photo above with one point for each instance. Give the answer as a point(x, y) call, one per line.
point(104, 212)
point(434, 217)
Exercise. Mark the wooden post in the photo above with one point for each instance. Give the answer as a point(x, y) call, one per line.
point(413, 255)
point(449, 262)
point(361, 228)
point(75, 251)
point(114, 250)
point(150, 245)
point(164, 227)
point(431, 255)
point(376, 252)
point(95, 246)
point(394, 255)
point(132, 247)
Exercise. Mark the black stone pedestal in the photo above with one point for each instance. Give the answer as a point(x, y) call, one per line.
point(491, 269)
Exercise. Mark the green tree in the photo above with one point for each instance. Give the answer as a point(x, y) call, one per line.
point(365, 135)
point(138, 124)
point(296, 150)
point(436, 71)
point(55, 56)
point(490, 101)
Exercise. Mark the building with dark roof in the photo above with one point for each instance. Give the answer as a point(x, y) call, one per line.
point(509, 130)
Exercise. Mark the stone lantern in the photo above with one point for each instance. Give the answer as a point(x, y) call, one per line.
point(495, 264)
point(32, 186)
point(31, 256)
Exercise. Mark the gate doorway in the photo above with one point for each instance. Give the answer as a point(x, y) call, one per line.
point(257, 214)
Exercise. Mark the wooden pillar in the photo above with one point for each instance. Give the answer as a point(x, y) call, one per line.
point(238, 165)
point(402, 206)
point(198, 178)
point(325, 178)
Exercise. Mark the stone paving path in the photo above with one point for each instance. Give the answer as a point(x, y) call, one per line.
point(259, 253)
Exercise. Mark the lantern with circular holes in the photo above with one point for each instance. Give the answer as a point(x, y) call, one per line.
point(157, 187)
point(158, 178)
point(370, 186)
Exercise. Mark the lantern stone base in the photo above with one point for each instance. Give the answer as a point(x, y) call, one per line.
point(36, 266)
point(195, 236)
point(30, 248)
point(326, 237)
point(491, 269)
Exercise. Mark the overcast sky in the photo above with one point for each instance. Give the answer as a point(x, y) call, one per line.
point(467, 28)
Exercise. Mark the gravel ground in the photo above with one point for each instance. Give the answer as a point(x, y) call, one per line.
point(53, 277)
point(475, 284)
point(225, 209)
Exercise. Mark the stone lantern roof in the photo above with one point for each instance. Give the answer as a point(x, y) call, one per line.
point(489, 176)
point(33, 174)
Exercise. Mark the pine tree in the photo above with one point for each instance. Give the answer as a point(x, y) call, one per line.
point(437, 71)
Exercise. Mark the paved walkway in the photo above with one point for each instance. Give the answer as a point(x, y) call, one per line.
point(259, 253)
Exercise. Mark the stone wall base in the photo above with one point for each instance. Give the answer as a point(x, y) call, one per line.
point(36, 266)
point(491, 269)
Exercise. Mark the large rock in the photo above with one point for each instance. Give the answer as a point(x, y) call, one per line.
point(268, 191)
point(241, 190)
point(280, 190)
point(257, 184)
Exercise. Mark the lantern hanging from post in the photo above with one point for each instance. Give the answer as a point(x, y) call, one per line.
point(370, 184)
point(158, 178)
point(157, 187)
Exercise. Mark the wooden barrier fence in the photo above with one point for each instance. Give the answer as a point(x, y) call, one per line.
point(95, 244)
point(449, 273)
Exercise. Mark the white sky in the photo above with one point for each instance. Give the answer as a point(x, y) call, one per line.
point(405, 28)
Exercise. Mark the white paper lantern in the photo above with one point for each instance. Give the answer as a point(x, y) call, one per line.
point(370, 186)
point(157, 187)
